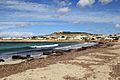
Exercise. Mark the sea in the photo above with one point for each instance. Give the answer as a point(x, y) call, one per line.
point(7, 49)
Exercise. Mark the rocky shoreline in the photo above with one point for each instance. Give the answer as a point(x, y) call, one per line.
point(62, 57)
point(53, 51)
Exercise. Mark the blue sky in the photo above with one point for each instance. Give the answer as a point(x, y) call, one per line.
point(39, 17)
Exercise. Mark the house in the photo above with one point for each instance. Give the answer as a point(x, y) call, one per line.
point(17, 38)
point(6, 38)
point(80, 37)
point(108, 38)
point(39, 38)
point(93, 38)
point(114, 37)
point(62, 38)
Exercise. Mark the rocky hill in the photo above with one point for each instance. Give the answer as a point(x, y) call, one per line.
point(70, 33)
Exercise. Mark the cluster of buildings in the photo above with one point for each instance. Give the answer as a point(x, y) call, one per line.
point(14, 38)
point(72, 36)
point(79, 36)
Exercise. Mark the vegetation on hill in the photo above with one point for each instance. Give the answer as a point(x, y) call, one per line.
point(70, 33)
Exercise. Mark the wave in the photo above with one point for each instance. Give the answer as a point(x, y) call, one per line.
point(76, 46)
point(90, 43)
point(45, 46)
point(26, 49)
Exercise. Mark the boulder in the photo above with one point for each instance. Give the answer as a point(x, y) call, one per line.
point(67, 50)
point(28, 56)
point(57, 54)
point(83, 48)
point(47, 53)
point(2, 60)
point(19, 57)
point(58, 51)
point(29, 59)
point(101, 42)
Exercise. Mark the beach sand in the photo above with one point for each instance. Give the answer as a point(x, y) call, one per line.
point(101, 63)
point(11, 62)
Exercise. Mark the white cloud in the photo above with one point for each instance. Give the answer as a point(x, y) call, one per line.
point(84, 3)
point(7, 27)
point(16, 34)
point(41, 11)
point(105, 1)
point(64, 10)
point(62, 3)
point(117, 25)
point(11, 25)
point(21, 5)
point(96, 17)
point(43, 20)
point(46, 15)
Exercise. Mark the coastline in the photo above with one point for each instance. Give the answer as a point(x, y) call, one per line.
point(55, 41)
point(43, 41)
point(40, 41)
point(59, 60)
point(18, 55)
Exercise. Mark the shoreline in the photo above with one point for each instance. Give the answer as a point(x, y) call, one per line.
point(41, 41)
point(44, 60)
point(45, 41)
point(69, 57)
point(53, 51)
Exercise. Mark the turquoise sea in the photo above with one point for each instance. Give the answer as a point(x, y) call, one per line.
point(10, 48)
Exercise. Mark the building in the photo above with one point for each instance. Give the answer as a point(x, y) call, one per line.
point(62, 38)
point(81, 37)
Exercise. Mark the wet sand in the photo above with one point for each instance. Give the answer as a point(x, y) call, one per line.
point(96, 63)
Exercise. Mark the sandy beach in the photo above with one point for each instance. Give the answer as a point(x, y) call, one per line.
point(59, 39)
point(29, 40)
point(95, 63)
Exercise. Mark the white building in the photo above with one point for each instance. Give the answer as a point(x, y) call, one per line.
point(6, 38)
point(81, 37)
point(62, 38)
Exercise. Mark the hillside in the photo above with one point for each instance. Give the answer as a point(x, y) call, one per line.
point(70, 33)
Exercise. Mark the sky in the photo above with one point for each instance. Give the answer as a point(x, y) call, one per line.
point(22, 18)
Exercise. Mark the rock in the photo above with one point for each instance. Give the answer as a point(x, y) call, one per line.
point(28, 56)
point(2, 60)
point(58, 51)
point(57, 54)
point(29, 59)
point(43, 56)
point(101, 42)
point(19, 57)
point(47, 53)
point(67, 50)
point(83, 48)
